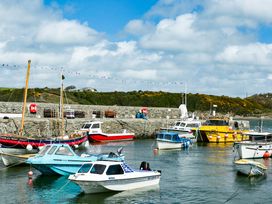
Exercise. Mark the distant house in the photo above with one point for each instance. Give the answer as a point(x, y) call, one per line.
point(90, 89)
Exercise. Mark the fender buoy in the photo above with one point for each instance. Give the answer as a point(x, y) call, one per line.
point(266, 154)
point(33, 108)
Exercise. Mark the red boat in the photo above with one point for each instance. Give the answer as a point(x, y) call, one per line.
point(11, 141)
point(95, 133)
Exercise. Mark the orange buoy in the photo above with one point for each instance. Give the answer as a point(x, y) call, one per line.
point(30, 182)
point(266, 154)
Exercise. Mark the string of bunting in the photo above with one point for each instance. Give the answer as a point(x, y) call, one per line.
point(90, 76)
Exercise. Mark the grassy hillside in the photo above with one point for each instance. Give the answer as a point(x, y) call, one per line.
point(251, 106)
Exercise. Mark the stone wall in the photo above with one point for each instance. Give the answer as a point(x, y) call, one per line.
point(47, 128)
point(121, 111)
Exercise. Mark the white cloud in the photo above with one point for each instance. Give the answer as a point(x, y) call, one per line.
point(211, 45)
point(65, 32)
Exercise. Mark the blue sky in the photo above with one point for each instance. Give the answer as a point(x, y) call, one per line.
point(212, 47)
point(108, 16)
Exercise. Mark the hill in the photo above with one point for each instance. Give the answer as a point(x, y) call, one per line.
point(255, 105)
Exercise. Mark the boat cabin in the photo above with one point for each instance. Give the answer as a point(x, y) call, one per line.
point(259, 136)
point(233, 124)
point(186, 125)
point(108, 168)
point(92, 127)
point(171, 136)
point(57, 149)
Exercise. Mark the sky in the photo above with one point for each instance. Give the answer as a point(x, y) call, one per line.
point(214, 47)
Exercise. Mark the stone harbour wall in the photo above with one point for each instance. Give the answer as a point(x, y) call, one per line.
point(48, 128)
point(36, 125)
point(89, 110)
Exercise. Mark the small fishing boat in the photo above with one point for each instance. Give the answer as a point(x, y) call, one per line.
point(250, 168)
point(103, 176)
point(60, 159)
point(95, 134)
point(171, 140)
point(12, 159)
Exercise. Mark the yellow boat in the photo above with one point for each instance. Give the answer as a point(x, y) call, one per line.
point(222, 130)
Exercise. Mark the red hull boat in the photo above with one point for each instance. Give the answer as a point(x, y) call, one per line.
point(95, 133)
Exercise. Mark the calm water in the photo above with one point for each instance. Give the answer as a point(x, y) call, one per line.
point(202, 174)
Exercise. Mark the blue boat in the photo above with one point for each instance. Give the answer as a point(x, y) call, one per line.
point(171, 140)
point(60, 159)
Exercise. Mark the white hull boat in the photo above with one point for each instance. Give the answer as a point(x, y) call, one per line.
point(103, 176)
point(250, 168)
point(259, 145)
point(168, 145)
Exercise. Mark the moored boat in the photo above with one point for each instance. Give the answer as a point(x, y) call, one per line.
point(95, 134)
point(222, 130)
point(250, 168)
point(171, 140)
point(60, 159)
point(258, 145)
point(103, 176)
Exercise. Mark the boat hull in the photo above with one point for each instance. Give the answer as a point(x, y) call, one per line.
point(160, 144)
point(215, 134)
point(250, 168)
point(118, 184)
point(102, 137)
point(253, 150)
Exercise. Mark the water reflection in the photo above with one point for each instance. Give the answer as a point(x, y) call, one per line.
point(118, 197)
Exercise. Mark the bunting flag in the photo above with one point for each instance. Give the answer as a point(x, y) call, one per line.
point(95, 75)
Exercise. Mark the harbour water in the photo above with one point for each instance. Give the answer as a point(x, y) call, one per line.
point(203, 173)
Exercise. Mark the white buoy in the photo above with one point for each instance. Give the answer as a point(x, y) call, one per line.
point(87, 143)
point(29, 147)
point(30, 174)
point(76, 146)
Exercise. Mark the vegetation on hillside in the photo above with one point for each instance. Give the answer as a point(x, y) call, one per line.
point(252, 106)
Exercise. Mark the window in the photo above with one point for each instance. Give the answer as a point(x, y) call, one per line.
point(64, 151)
point(168, 137)
point(52, 150)
point(44, 150)
point(86, 126)
point(98, 169)
point(85, 168)
point(114, 170)
point(95, 126)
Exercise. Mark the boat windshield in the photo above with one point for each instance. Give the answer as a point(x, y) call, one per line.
point(64, 151)
point(177, 124)
point(115, 169)
point(217, 122)
point(86, 126)
point(85, 168)
point(44, 150)
point(98, 169)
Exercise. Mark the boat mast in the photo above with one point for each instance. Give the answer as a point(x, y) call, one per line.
point(61, 104)
point(25, 97)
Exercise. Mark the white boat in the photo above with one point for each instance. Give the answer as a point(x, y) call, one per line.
point(103, 176)
point(171, 140)
point(250, 168)
point(259, 145)
point(14, 159)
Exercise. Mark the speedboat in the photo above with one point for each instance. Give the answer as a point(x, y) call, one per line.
point(258, 145)
point(60, 159)
point(95, 134)
point(250, 168)
point(171, 140)
point(103, 176)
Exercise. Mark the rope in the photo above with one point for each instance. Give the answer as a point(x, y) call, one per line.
point(63, 186)
point(232, 196)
